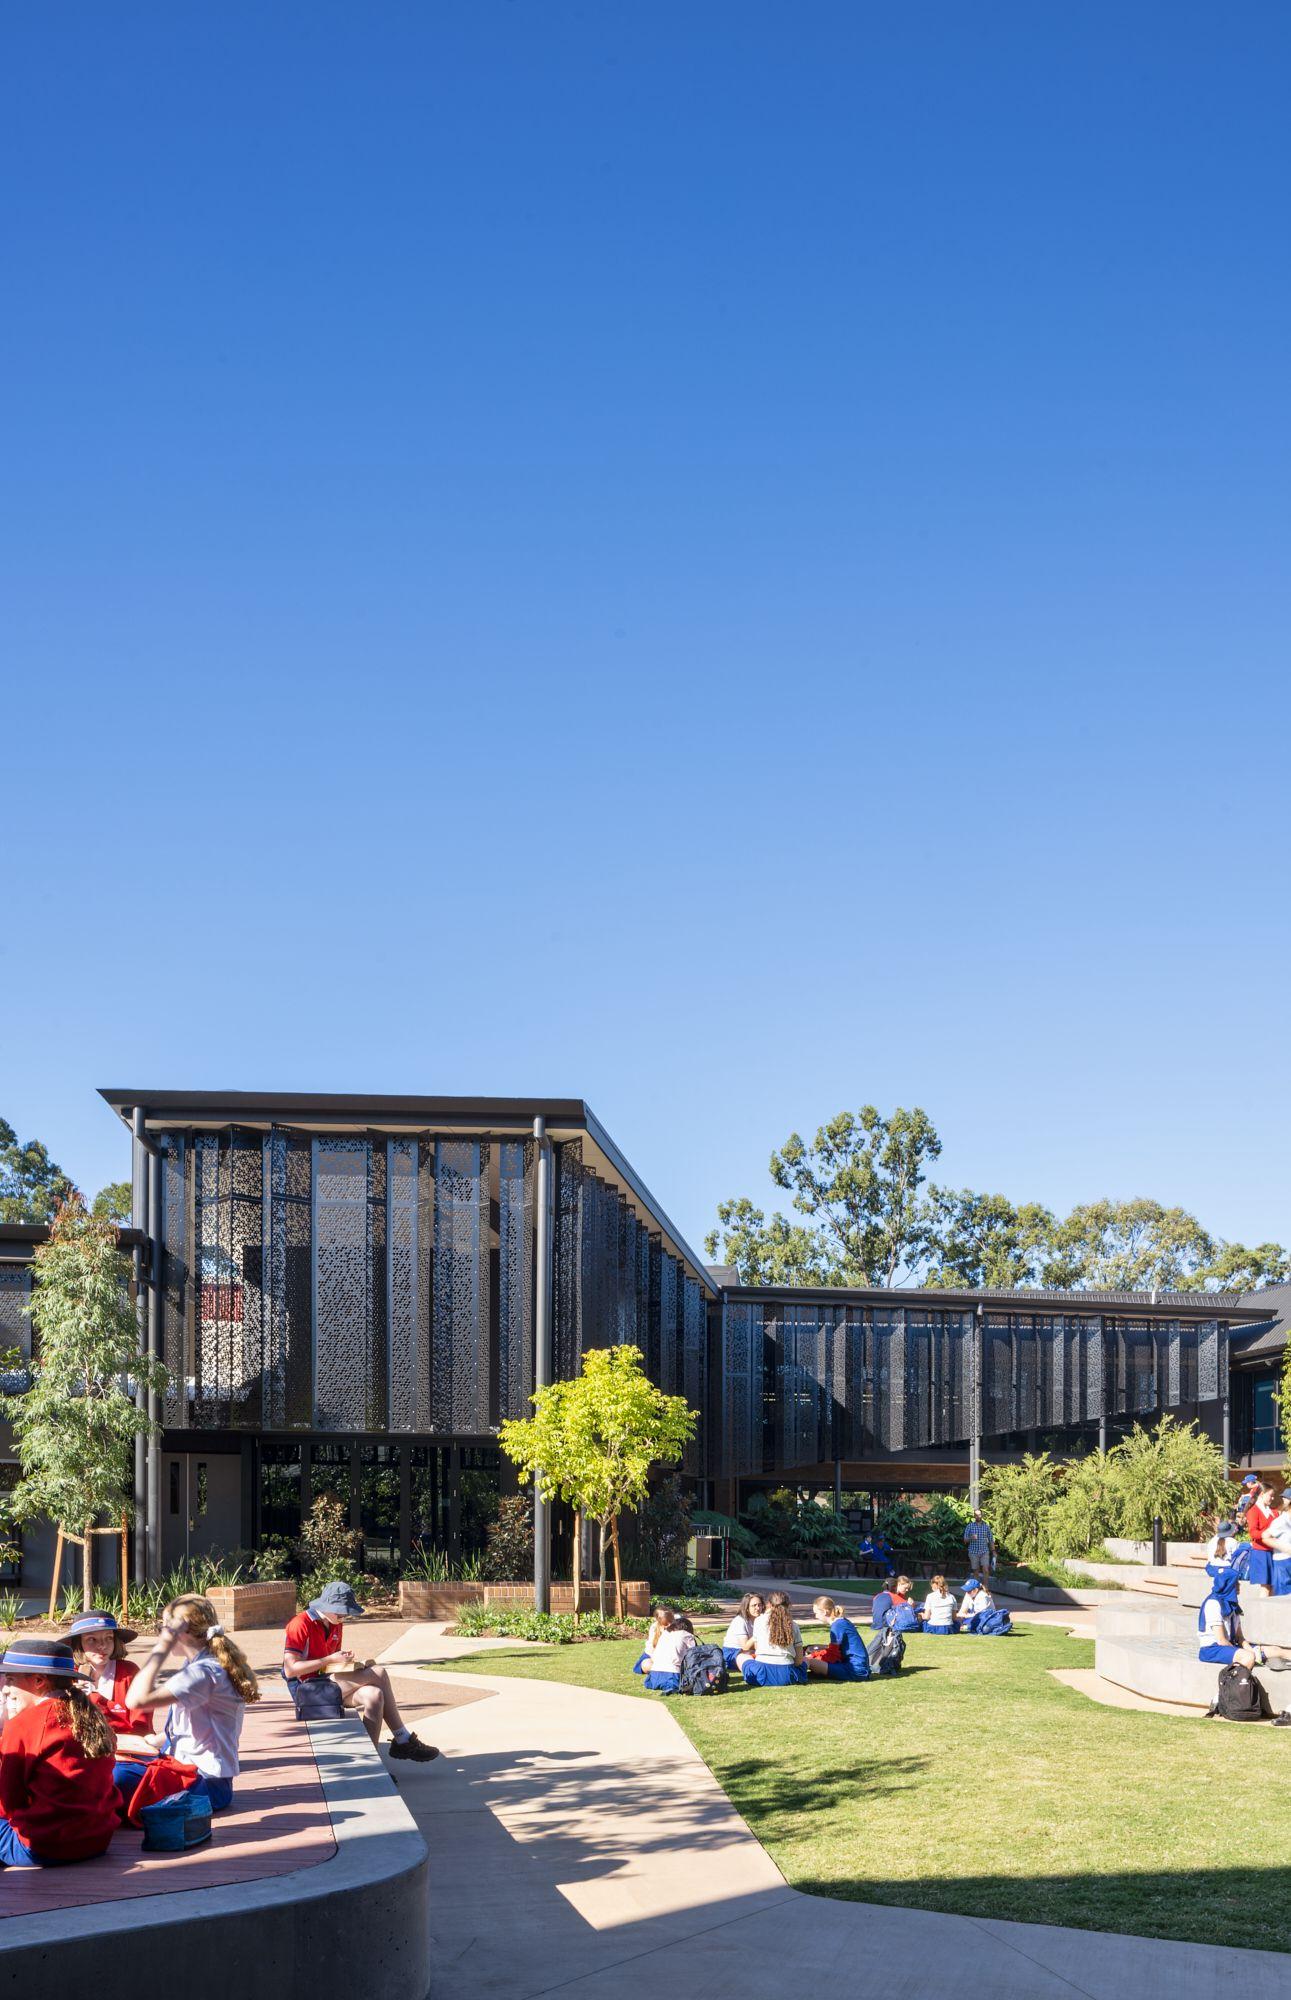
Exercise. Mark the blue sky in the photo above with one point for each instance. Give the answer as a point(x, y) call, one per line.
point(728, 561)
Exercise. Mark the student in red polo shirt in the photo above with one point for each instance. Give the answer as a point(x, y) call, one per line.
point(57, 1798)
point(99, 1644)
point(312, 1646)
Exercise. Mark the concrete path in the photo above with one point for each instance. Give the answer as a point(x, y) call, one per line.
point(579, 1845)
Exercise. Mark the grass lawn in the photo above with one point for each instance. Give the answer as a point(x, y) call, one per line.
point(978, 1784)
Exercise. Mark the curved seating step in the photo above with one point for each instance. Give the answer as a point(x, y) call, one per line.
point(1167, 1669)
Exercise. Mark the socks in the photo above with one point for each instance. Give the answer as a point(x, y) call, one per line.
point(402, 1735)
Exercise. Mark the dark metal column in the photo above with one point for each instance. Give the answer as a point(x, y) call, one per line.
point(153, 1164)
point(975, 1393)
point(139, 1218)
point(542, 1229)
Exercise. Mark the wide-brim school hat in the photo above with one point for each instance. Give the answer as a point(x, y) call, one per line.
point(100, 1621)
point(41, 1656)
point(337, 1601)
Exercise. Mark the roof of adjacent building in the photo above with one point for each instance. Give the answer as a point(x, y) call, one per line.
point(1269, 1336)
point(1174, 1305)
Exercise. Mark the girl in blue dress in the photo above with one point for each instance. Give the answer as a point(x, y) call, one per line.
point(853, 1662)
point(777, 1658)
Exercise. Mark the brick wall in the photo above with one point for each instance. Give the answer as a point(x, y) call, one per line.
point(444, 1600)
point(248, 1607)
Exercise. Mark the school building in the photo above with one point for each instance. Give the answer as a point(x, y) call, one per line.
point(351, 1293)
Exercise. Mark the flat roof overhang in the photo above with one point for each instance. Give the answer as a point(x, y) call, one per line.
point(320, 1112)
point(1124, 1305)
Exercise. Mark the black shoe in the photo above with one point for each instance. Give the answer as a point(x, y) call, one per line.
point(1283, 1721)
point(414, 1748)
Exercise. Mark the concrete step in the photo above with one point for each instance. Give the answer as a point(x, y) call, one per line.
point(1167, 1669)
point(1266, 1621)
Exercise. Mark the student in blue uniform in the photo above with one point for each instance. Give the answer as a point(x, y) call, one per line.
point(777, 1658)
point(1219, 1623)
point(738, 1637)
point(671, 1647)
point(938, 1609)
point(853, 1663)
point(888, 1602)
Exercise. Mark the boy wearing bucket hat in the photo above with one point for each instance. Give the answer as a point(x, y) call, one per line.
point(99, 1644)
point(312, 1644)
point(57, 1798)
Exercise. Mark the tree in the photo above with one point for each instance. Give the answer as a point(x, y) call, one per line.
point(1235, 1268)
point(1017, 1500)
point(115, 1202)
point(30, 1182)
point(76, 1425)
point(1175, 1471)
point(860, 1183)
point(1130, 1246)
point(984, 1240)
point(593, 1442)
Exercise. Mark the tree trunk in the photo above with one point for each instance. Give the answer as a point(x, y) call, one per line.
point(600, 1537)
point(87, 1568)
point(577, 1571)
point(618, 1570)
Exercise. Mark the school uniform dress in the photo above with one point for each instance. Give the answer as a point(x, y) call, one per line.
point(108, 1691)
point(56, 1803)
point(203, 1728)
point(854, 1664)
point(1259, 1565)
point(774, 1665)
point(939, 1613)
point(736, 1638)
point(1215, 1627)
point(1277, 1537)
point(670, 1649)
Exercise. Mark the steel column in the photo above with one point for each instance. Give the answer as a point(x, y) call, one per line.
point(542, 1291)
point(975, 1392)
point(139, 1218)
point(153, 1537)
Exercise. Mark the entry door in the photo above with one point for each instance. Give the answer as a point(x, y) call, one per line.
point(201, 1503)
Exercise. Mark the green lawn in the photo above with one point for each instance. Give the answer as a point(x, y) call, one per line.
point(976, 1783)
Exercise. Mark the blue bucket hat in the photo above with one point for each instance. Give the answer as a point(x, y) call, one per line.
point(336, 1602)
point(40, 1656)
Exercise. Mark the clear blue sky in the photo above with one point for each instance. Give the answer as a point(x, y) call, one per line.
point(728, 560)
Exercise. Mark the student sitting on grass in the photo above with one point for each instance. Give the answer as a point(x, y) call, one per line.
point(99, 1645)
point(846, 1659)
point(57, 1798)
point(938, 1609)
point(775, 1658)
point(887, 1602)
point(669, 1650)
point(204, 1703)
point(738, 1637)
point(1219, 1623)
point(312, 1645)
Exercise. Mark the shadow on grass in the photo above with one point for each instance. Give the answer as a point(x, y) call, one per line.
point(1240, 1907)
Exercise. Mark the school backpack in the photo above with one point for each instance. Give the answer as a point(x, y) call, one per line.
point(703, 1671)
point(1239, 1696)
point(993, 1624)
point(904, 1618)
point(886, 1653)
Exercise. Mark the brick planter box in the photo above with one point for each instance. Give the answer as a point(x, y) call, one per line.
point(445, 1600)
point(248, 1607)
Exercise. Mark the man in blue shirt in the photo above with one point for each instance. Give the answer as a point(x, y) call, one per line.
point(980, 1544)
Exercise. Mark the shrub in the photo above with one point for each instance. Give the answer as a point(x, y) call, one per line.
point(1087, 1508)
point(1175, 1471)
point(508, 1555)
point(327, 1541)
point(1017, 1500)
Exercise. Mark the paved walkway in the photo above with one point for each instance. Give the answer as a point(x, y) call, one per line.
point(580, 1846)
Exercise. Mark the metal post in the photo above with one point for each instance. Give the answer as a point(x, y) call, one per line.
point(975, 1442)
point(1227, 1440)
point(1102, 1430)
point(542, 1220)
point(139, 1217)
point(838, 1485)
point(153, 1165)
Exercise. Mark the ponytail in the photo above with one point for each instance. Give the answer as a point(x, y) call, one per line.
point(197, 1615)
point(779, 1620)
point(88, 1725)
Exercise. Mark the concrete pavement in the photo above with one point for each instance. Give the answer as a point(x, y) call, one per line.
point(579, 1845)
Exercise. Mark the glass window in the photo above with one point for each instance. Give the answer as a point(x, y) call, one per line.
point(330, 1474)
point(279, 1488)
point(1265, 1434)
point(379, 1505)
point(428, 1489)
point(479, 1484)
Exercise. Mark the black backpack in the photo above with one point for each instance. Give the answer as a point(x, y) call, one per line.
point(703, 1671)
point(1239, 1696)
point(886, 1652)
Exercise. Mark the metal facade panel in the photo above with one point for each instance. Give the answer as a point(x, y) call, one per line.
point(515, 1277)
point(15, 1297)
point(173, 1166)
point(460, 1307)
point(345, 1219)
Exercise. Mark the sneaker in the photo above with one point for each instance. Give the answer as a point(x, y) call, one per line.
point(1283, 1721)
point(419, 1752)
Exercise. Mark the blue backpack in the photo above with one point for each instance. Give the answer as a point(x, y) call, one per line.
point(993, 1624)
point(904, 1619)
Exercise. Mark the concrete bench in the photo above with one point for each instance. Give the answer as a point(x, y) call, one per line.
point(317, 1863)
point(1167, 1669)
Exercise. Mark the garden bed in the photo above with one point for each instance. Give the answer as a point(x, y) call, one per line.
point(445, 1600)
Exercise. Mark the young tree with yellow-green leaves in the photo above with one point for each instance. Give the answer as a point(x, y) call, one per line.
point(593, 1442)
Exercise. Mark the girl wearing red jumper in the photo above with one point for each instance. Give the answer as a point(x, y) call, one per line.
point(57, 1798)
point(99, 1644)
point(1259, 1566)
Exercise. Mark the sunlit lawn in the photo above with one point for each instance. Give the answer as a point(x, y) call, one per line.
point(976, 1783)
